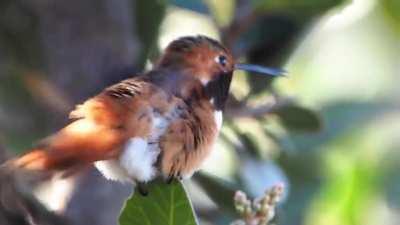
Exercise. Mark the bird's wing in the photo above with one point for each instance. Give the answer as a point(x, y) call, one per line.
point(100, 128)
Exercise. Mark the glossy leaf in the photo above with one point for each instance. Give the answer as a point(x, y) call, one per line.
point(166, 204)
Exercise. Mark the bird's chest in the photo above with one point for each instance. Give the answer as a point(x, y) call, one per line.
point(144, 158)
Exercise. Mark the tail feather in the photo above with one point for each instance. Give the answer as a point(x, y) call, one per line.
point(33, 160)
point(77, 145)
point(6, 168)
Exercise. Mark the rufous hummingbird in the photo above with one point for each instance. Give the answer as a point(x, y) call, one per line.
point(162, 123)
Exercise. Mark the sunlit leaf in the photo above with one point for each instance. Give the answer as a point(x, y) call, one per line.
point(166, 204)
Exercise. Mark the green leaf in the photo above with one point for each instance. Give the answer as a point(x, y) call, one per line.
point(166, 204)
point(298, 118)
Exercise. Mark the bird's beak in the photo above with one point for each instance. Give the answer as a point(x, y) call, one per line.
point(260, 69)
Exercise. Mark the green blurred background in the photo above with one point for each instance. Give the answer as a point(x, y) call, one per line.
point(329, 131)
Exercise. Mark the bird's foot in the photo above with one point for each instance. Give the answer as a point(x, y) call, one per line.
point(142, 188)
point(171, 178)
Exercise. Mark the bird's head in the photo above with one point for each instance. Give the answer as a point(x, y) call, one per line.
point(200, 56)
point(209, 62)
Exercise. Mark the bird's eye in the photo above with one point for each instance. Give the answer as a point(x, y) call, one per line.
point(222, 60)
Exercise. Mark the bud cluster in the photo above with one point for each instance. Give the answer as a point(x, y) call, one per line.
point(259, 211)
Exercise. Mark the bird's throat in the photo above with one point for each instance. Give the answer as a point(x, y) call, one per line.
point(217, 90)
point(190, 89)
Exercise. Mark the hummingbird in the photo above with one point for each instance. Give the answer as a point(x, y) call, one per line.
point(161, 123)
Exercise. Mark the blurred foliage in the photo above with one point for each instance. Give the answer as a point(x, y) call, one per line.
point(392, 8)
point(333, 143)
point(297, 8)
point(19, 34)
point(218, 190)
point(148, 26)
point(298, 118)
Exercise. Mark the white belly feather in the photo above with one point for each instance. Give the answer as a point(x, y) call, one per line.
point(218, 119)
point(136, 162)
